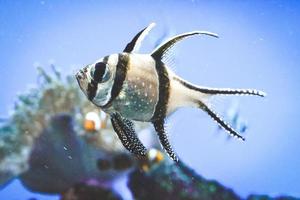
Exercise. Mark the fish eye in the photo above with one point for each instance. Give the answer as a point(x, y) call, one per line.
point(100, 73)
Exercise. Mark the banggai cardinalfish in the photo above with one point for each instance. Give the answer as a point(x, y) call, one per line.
point(132, 86)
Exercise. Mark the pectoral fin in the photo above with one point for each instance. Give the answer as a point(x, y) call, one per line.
point(126, 133)
point(135, 43)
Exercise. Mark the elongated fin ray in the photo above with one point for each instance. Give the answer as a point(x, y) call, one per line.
point(163, 137)
point(220, 121)
point(135, 43)
point(229, 91)
point(222, 91)
point(126, 133)
point(161, 50)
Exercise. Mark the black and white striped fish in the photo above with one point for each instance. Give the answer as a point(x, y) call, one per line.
point(131, 86)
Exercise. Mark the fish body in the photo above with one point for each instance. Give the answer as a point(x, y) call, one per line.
point(141, 87)
point(139, 94)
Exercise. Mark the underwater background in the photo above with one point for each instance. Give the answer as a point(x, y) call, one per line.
point(259, 47)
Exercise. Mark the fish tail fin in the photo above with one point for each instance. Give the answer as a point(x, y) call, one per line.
point(219, 120)
point(201, 97)
point(223, 91)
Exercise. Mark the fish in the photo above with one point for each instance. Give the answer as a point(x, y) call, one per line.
point(130, 86)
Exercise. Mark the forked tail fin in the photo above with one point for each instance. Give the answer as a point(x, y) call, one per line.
point(201, 97)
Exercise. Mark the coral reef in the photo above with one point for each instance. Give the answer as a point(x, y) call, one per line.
point(52, 141)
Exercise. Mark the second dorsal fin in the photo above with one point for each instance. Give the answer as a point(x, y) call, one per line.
point(135, 43)
point(162, 49)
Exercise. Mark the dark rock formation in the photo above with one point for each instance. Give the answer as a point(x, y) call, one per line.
point(89, 192)
point(176, 181)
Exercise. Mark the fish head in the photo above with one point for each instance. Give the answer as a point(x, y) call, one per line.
point(96, 80)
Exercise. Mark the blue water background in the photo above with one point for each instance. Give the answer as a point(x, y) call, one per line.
point(259, 47)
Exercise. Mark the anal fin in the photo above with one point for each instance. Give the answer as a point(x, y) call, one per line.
point(164, 140)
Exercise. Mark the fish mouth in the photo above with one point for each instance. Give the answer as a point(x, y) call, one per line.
point(80, 77)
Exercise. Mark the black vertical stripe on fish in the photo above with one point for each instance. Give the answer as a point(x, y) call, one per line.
point(161, 108)
point(121, 72)
point(163, 138)
point(163, 90)
point(100, 69)
point(91, 90)
point(93, 85)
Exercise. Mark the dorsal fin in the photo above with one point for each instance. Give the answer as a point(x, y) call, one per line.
point(135, 43)
point(161, 50)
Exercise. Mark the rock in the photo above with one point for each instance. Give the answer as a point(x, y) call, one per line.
point(89, 192)
point(176, 181)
